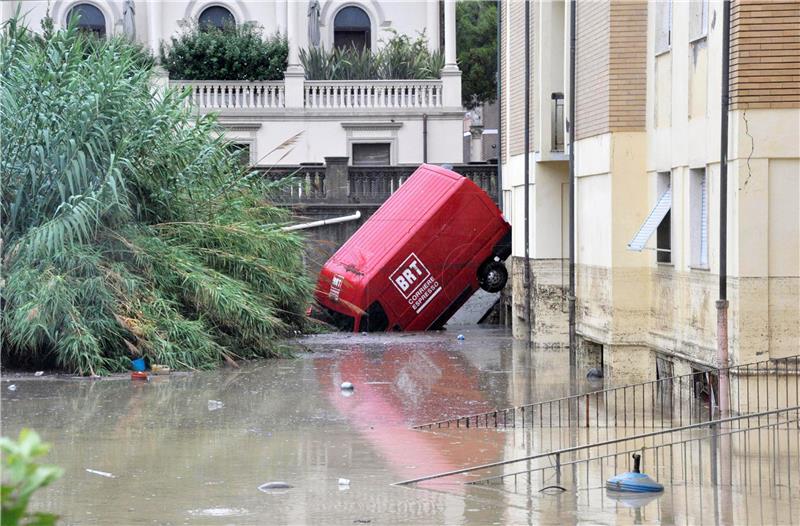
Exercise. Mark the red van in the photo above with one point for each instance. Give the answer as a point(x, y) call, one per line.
point(419, 258)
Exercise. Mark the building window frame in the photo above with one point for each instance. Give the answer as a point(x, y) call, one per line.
point(664, 241)
point(369, 32)
point(215, 5)
point(698, 218)
point(373, 132)
point(663, 26)
point(241, 144)
point(698, 20)
point(107, 15)
point(355, 144)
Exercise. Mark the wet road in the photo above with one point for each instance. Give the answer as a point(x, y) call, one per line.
point(193, 449)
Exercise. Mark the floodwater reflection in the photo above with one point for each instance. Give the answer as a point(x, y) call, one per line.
point(175, 460)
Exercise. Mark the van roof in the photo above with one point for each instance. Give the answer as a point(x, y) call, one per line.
point(386, 231)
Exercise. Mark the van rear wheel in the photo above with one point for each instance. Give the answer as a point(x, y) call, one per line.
point(492, 276)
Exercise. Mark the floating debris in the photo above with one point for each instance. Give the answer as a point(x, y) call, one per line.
point(101, 473)
point(12, 387)
point(160, 369)
point(552, 490)
point(38, 373)
point(634, 481)
point(269, 486)
point(213, 405)
point(347, 386)
point(219, 512)
point(460, 337)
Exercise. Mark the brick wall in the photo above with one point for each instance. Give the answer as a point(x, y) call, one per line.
point(765, 54)
point(611, 67)
point(516, 84)
point(592, 69)
point(628, 65)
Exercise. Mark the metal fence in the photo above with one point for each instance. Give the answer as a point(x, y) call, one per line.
point(767, 442)
point(665, 402)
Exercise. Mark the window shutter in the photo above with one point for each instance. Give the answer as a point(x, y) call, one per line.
point(704, 221)
point(650, 224)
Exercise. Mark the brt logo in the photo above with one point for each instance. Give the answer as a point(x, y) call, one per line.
point(409, 275)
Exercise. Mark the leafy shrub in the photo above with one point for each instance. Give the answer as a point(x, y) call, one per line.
point(128, 227)
point(23, 477)
point(476, 42)
point(399, 58)
point(232, 53)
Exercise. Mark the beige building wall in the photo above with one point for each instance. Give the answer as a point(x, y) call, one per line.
point(547, 172)
point(612, 283)
point(684, 83)
point(648, 84)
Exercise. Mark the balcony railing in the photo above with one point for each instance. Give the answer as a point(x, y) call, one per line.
point(376, 183)
point(229, 94)
point(318, 95)
point(306, 183)
point(339, 183)
point(557, 111)
point(394, 94)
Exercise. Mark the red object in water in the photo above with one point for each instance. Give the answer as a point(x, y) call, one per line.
point(419, 258)
point(138, 375)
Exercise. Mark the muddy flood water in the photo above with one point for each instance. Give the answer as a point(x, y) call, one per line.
point(195, 448)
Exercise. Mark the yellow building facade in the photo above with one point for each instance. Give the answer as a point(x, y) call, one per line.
point(647, 145)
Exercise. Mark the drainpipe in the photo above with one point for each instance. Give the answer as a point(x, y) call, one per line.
point(722, 302)
point(526, 170)
point(499, 110)
point(424, 137)
point(323, 222)
point(573, 341)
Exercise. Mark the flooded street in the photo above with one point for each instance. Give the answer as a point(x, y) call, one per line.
point(194, 448)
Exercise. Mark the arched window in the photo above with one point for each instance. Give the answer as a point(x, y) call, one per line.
point(351, 27)
point(90, 19)
point(216, 16)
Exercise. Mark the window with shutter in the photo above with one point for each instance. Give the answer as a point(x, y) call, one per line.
point(663, 32)
point(698, 236)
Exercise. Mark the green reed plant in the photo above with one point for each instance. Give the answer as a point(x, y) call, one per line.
point(128, 226)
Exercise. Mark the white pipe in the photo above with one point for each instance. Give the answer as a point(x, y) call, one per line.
point(323, 222)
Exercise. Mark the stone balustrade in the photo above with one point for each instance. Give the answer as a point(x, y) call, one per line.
point(367, 94)
point(235, 95)
point(337, 183)
point(320, 95)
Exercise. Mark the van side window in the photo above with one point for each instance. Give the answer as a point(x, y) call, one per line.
point(375, 320)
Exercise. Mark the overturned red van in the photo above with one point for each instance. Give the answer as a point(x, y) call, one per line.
point(419, 258)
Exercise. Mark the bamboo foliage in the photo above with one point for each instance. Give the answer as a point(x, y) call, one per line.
point(128, 227)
